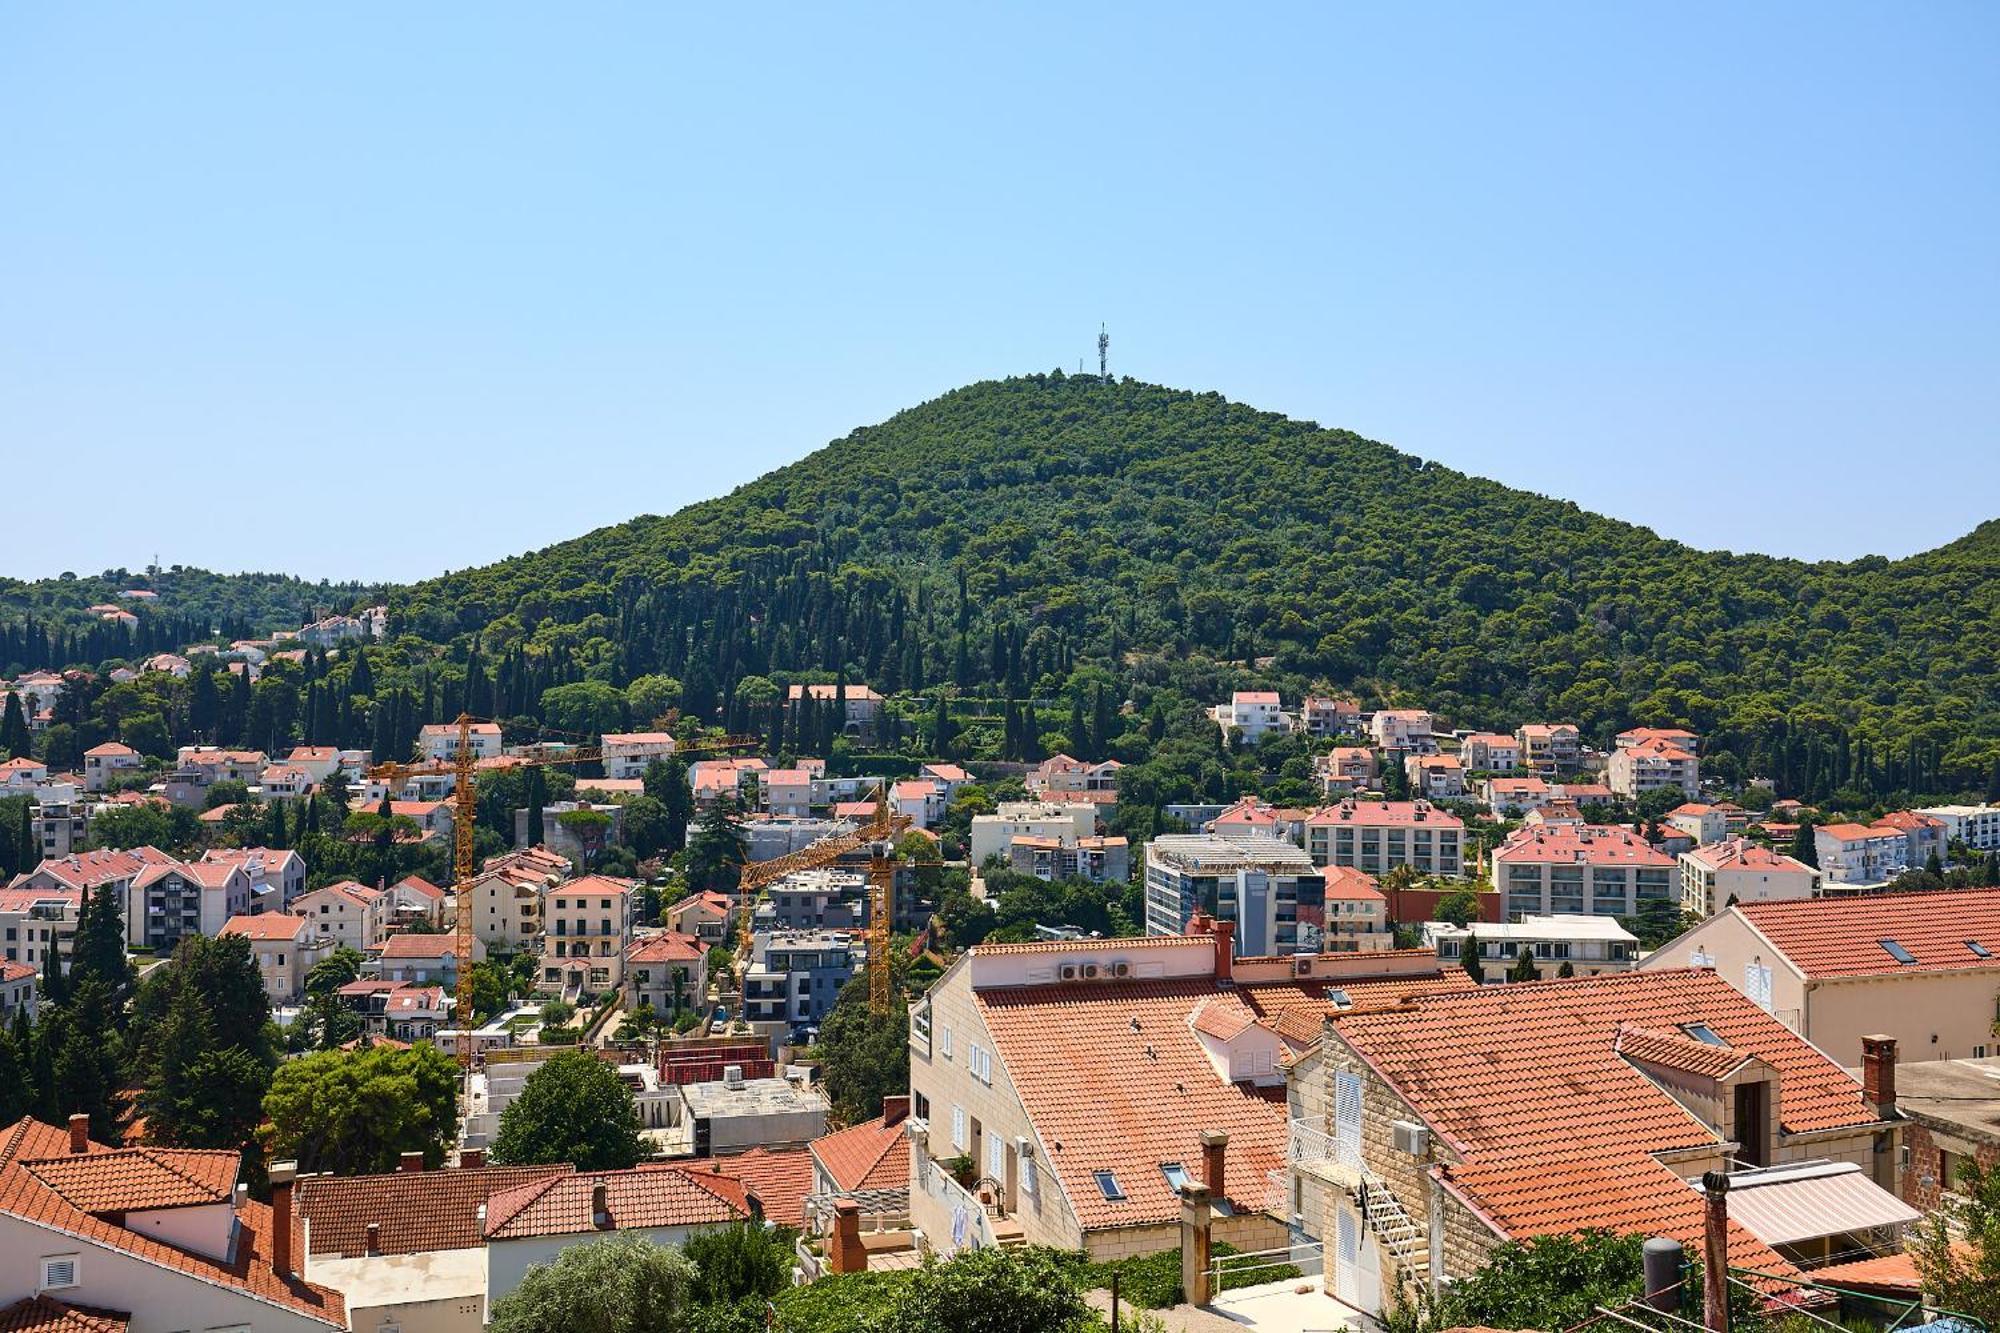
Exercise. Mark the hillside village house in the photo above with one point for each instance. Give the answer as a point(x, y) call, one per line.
point(276, 877)
point(1252, 714)
point(1649, 765)
point(420, 960)
point(1356, 916)
point(1590, 945)
point(1703, 823)
point(1550, 748)
point(1619, 1091)
point(1510, 798)
point(286, 948)
point(1378, 836)
point(148, 1239)
point(587, 932)
point(1737, 870)
point(1575, 868)
point(1675, 736)
point(103, 764)
point(863, 707)
point(1087, 1080)
point(629, 754)
point(788, 792)
point(1324, 716)
point(438, 741)
point(1861, 855)
point(1403, 731)
point(1490, 752)
point(1257, 883)
point(17, 991)
point(666, 970)
point(705, 915)
point(1926, 835)
point(353, 914)
point(1977, 826)
point(1251, 815)
point(918, 800)
point(1435, 777)
point(1101, 860)
point(1344, 768)
point(168, 901)
point(1923, 968)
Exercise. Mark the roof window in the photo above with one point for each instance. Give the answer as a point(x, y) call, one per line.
point(1702, 1032)
point(1107, 1185)
point(1897, 951)
point(1978, 950)
point(1176, 1174)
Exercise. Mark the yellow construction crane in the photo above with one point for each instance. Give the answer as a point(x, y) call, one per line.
point(463, 767)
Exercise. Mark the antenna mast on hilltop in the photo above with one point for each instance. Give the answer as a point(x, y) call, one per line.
point(1103, 354)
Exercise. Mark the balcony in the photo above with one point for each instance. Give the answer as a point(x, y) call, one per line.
point(1312, 1150)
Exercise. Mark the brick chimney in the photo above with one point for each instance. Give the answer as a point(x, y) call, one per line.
point(79, 1133)
point(410, 1161)
point(282, 1176)
point(471, 1159)
point(846, 1254)
point(895, 1110)
point(374, 1242)
point(1878, 1074)
point(1224, 935)
point(1214, 1148)
point(600, 1207)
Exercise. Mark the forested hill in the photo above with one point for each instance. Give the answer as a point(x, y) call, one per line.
point(1009, 534)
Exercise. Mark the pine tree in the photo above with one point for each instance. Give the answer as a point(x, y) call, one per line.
point(1568, 969)
point(941, 730)
point(86, 1063)
point(98, 950)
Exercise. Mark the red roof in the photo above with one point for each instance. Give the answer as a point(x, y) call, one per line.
point(668, 946)
point(779, 1177)
point(407, 944)
point(265, 926)
point(1591, 844)
point(660, 1197)
point(416, 1211)
point(1843, 937)
point(46, 1314)
point(1347, 884)
point(131, 1179)
point(873, 1155)
point(1375, 813)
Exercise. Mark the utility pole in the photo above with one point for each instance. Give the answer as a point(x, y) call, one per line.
point(1103, 354)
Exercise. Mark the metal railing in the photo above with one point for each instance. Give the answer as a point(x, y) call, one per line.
point(1306, 1258)
point(1308, 1147)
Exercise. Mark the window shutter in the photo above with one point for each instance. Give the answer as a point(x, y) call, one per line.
point(958, 1126)
point(1347, 1107)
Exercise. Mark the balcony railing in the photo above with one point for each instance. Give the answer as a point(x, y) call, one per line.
point(1310, 1148)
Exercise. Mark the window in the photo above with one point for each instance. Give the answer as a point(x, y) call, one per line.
point(1107, 1185)
point(58, 1271)
point(958, 1127)
point(1757, 983)
point(1029, 1184)
point(1895, 951)
point(1177, 1176)
point(944, 1042)
point(1978, 950)
point(1702, 1032)
point(981, 1061)
point(996, 1157)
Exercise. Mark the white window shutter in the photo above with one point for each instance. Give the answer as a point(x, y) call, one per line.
point(996, 1157)
point(958, 1126)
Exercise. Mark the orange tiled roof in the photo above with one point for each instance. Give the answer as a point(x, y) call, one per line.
point(265, 926)
point(1295, 1009)
point(1841, 937)
point(668, 946)
point(779, 1177)
point(46, 1314)
point(1676, 1050)
point(1556, 1128)
point(1884, 1273)
point(248, 1270)
point(130, 1179)
point(416, 1211)
point(661, 1197)
point(873, 1155)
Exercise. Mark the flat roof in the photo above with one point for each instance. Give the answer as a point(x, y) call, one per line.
point(757, 1096)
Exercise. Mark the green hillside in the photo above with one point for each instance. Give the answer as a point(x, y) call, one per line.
point(1027, 537)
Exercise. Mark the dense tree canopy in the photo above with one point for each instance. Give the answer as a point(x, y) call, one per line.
point(575, 1109)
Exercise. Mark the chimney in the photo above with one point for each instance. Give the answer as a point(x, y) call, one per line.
point(1878, 1074)
point(1214, 1147)
point(282, 1176)
point(600, 1207)
point(895, 1110)
point(374, 1242)
point(410, 1161)
point(79, 1133)
point(1223, 933)
point(471, 1159)
point(847, 1254)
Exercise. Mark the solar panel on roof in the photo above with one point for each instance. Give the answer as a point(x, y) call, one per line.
point(1897, 951)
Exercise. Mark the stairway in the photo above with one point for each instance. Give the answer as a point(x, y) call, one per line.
point(1407, 1243)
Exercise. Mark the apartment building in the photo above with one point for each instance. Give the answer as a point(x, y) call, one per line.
point(1510, 798)
point(1567, 869)
point(1345, 768)
point(1356, 916)
point(1649, 765)
point(1678, 737)
point(1252, 714)
point(1977, 826)
point(1322, 715)
point(439, 741)
point(1621, 1091)
point(1101, 860)
point(419, 960)
point(1861, 855)
point(795, 975)
point(994, 834)
point(353, 914)
point(1490, 752)
point(705, 915)
point(1024, 1057)
point(587, 928)
point(1403, 731)
point(1550, 748)
point(1255, 882)
point(824, 899)
point(1435, 777)
point(1062, 773)
point(277, 877)
point(36, 920)
point(1588, 945)
point(668, 971)
point(1926, 835)
point(787, 792)
point(1923, 968)
point(106, 763)
point(1736, 870)
point(629, 754)
point(286, 948)
point(1378, 836)
point(166, 902)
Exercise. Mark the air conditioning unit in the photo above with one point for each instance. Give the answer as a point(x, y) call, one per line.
point(1302, 966)
point(1090, 971)
point(1069, 972)
point(1411, 1137)
point(1121, 969)
point(1024, 1147)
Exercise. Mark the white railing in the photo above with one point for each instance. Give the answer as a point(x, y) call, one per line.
point(1307, 1146)
point(970, 1228)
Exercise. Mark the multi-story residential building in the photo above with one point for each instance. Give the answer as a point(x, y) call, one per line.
point(861, 706)
point(1022, 1054)
point(1356, 918)
point(1344, 768)
point(918, 800)
point(169, 901)
point(20, 777)
point(286, 947)
point(1550, 748)
point(1951, 1115)
point(277, 876)
point(706, 915)
point(1251, 815)
point(1923, 968)
point(17, 991)
point(1735, 870)
point(1490, 752)
point(1322, 715)
point(1634, 770)
point(285, 782)
point(736, 777)
point(1926, 835)
point(317, 762)
point(58, 820)
point(787, 792)
point(994, 834)
point(1588, 945)
point(1621, 1091)
point(407, 1011)
point(99, 1238)
point(1435, 777)
point(587, 929)
point(1253, 881)
point(1378, 836)
point(507, 907)
point(824, 899)
point(668, 971)
point(439, 741)
point(104, 764)
point(1252, 714)
point(629, 754)
point(1510, 798)
point(1703, 823)
point(419, 960)
point(1568, 869)
point(1403, 731)
point(795, 975)
point(1977, 826)
point(1101, 860)
point(1061, 773)
point(1678, 737)
point(353, 914)
point(1861, 855)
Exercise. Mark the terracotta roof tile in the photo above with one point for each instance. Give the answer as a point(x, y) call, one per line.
point(779, 1177)
point(1677, 1050)
point(416, 1211)
point(873, 1155)
point(130, 1179)
point(45, 1314)
point(658, 1197)
point(1842, 936)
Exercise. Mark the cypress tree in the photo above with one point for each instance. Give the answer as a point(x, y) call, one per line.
point(1079, 738)
point(16, 1084)
point(537, 798)
point(1805, 847)
point(14, 728)
point(98, 951)
point(55, 985)
point(1469, 960)
point(1524, 966)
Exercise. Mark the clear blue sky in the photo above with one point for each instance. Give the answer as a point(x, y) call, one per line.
point(378, 290)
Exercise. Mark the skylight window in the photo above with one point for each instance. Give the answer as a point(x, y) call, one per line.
point(1177, 1176)
point(1978, 950)
point(1340, 998)
point(1897, 951)
point(1702, 1032)
point(1107, 1185)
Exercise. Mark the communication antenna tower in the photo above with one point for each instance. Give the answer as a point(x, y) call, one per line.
point(1103, 354)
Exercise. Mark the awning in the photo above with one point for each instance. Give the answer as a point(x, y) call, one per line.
point(1786, 1205)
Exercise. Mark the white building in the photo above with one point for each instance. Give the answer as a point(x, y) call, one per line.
point(1857, 854)
point(353, 914)
point(439, 740)
point(1736, 870)
point(1404, 729)
point(1253, 882)
point(1977, 826)
point(1252, 713)
point(1634, 770)
point(994, 834)
point(629, 754)
point(1589, 944)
